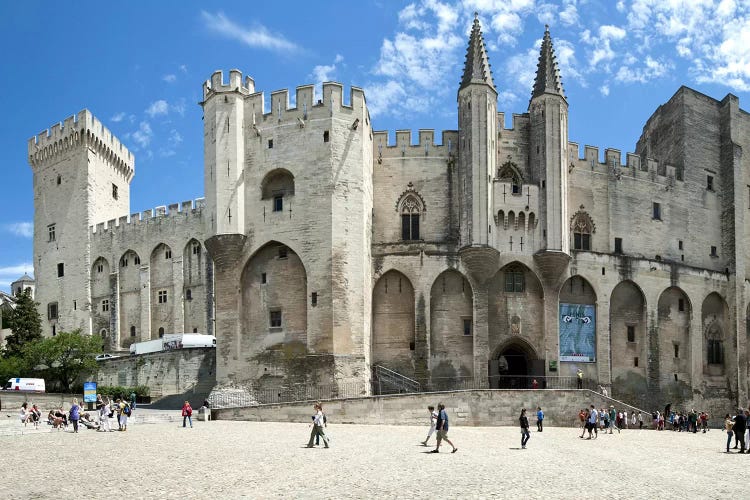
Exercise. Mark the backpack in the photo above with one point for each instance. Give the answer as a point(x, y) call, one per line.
point(126, 410)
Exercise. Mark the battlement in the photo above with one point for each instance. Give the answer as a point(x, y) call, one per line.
point(216, 84)
point(81, 129)
point(519, 121)
point(613, 160)
point(304, 109)
point(189, 208)
point(425, 147)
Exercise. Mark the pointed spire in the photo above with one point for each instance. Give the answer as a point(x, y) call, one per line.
point(477, 67)
point(547, 73)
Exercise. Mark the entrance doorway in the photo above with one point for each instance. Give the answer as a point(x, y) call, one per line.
point(515, 368)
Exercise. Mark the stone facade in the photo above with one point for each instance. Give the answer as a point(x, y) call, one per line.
point(331, 250)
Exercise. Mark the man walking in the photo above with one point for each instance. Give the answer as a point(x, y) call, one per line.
point(591, 422)
point(613, 419)
point(739, 429)
point(442, 429)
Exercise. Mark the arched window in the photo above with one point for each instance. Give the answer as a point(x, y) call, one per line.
point(161, 332)
point(277, 185)
point(508, 172)
point(582, 228)
point(715, 346)
point(188, 294)
point(410, 206)
point(410, 211)
point(132, 331)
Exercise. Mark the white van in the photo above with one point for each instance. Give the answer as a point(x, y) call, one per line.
point(25, 384)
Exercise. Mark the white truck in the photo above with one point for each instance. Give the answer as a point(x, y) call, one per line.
point(25, 384)
point(174, 341)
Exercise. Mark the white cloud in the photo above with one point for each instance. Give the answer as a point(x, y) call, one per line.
point(117, 118)
point(651, 69)
point(385, 97)
point(23, 229)
point(158, 108)
point(604, 89)
point(258, 36)
point(9, 274)
point(143, 135)
point(174, 137)
point(170, 78)
point(179, 107)
point(183, 68)
point(326, 72)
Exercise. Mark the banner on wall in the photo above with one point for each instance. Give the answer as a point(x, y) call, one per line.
point(578, 333)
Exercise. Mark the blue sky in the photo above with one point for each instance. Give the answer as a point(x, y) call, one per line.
point(139, 66)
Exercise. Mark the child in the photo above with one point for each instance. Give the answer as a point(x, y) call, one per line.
point(433, 421)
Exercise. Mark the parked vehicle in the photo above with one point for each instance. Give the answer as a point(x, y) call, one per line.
point(155, 345)
point(173, 341)
point(102, 357)
point(25, 384)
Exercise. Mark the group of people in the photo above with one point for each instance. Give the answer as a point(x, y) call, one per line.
point(738, 426)
point(680, 421)
point(593, 420)
point(60, 419)
point(439, 424)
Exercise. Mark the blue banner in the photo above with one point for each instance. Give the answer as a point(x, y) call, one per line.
point(578, 333)
point(89, 392)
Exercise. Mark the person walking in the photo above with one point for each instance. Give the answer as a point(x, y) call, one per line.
point(738, 428)
point(75, 414)
point(728, 424)
point(104, 411)
point(640, 420)
point(633, 419)
point(123, 413)
point(442, 429)
point(523, 420)
point(613, 419)
point(591, 422)
point(325, 424)
point(539, 419)
point(317, 427)
point(433, 423)
point(187, 414)
point(579, 374)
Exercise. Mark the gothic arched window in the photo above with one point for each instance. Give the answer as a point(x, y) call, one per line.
point(410, 207)
point(582, 228)
point(508, 172)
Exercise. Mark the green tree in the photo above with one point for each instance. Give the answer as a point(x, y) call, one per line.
point(62, 359)
point(25, 324)
point(12, 367)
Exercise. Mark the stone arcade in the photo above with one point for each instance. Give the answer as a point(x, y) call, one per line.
point(321, 250)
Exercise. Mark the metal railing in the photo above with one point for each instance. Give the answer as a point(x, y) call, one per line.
point(387, 381)
point(252, 395)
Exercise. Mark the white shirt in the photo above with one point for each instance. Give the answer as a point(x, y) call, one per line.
point(592, 417)
point(319, 418)
point(433, 418)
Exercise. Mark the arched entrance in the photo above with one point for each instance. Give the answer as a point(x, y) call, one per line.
point(515, 366)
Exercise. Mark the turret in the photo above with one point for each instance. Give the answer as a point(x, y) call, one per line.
point(224, 147)
point(548, 152)
point(477, 109)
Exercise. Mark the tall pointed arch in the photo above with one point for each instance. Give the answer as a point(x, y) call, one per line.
point(582, 227)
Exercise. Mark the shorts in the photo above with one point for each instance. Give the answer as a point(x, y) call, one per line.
point(441, 434)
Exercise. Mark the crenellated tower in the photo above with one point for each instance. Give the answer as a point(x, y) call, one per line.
point(224, 150)
point(82, 176)
point(548, 148)
point(477, 125)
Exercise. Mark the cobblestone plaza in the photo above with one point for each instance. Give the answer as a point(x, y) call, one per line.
point(268, 460)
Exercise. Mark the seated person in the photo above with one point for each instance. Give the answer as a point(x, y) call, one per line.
point(59, 413)
point(53, 420)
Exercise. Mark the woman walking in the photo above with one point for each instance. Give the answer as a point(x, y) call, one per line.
point(75, 414)
point(187, 414)
point(317, 427)
point(525, 434)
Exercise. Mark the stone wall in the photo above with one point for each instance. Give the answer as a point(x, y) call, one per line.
point(166, 373)
point(472, 408)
